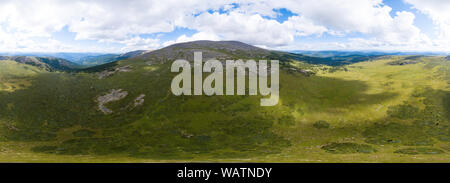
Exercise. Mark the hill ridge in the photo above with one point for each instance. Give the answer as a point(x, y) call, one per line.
point(46, 63)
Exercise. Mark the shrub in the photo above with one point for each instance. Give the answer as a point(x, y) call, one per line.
point(83, 133)
point(344, 148)
point(420, 150)
point(321, 124)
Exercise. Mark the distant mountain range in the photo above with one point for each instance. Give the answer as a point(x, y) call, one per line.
point(84, 59)
point(332, 53)
point(220, 50)
point(107, 58)
point(46, 63)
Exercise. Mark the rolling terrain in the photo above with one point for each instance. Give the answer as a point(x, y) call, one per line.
point(383, 109)
point(45, 63)
point(81, 59)
point(107, 58)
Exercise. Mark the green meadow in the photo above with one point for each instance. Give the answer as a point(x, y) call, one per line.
point(387, 109)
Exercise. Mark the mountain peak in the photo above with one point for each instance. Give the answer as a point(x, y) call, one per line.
point(227, 45)
point(211, 49)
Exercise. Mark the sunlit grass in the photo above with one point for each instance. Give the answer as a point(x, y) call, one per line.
point(351, 99)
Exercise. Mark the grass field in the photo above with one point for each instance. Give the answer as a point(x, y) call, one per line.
point(14, 76)
point(373, 111)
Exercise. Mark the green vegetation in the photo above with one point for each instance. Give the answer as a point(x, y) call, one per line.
point(422, 150)
point(364, 112)
point(343, 148)
point(321, 124)
point(45, 63)
point(14, 75)
point(83, 133)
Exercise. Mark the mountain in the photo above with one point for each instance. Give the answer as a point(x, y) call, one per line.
point(374, 110)
point(210, 49)
point(107, 58)
point(85, 59)
point(97, 60)
point(337, 53)
point(131, 54)
point(73, 57)
point(223, 50)
point(46, 63)
point(337, 58)
point(331, 53)
point(234, 49)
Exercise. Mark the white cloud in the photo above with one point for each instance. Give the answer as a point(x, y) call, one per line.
point(364, 44)
point(251, 29)
point(124, 22)
point(105, 21)
point(438, 11)
point(305, 27)
point(138, 43)
point(194, 37)
point(18, 43)
point(33, 19)
point(340, 17)
point(400, 29)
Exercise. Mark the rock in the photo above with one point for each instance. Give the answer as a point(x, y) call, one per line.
point(139, 100)
point(307, 72)
point(113, 95)
point(10, 126)
point(108, 73)
point(184, 134)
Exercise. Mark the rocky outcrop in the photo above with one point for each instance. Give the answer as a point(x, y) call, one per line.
point(113, 95)
point(307, 72)
point(108, 73)
point(139, 100)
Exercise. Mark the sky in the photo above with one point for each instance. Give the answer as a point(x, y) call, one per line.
point(117, 26)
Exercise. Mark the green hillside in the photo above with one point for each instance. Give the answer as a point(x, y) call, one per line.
point(390, 109)
point(107, 58)
point(14, 76)
point(46, 63)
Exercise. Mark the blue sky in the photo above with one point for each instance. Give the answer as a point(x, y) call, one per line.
point(121, 26)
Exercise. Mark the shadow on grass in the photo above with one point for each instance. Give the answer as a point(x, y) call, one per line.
point(325, 94)
point(170, 127)
point(165, 127)
point(407, 125)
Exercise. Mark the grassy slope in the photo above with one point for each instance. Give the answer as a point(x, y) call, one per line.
point(389, 86)
point(355, 102)
point(14, 75)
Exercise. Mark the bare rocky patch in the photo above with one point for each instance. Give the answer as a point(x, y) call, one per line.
point(10, 126)
point(139, 100)
point(108, 73)
point(113, 95)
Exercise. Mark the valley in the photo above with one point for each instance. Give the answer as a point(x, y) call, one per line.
point(389, 108)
